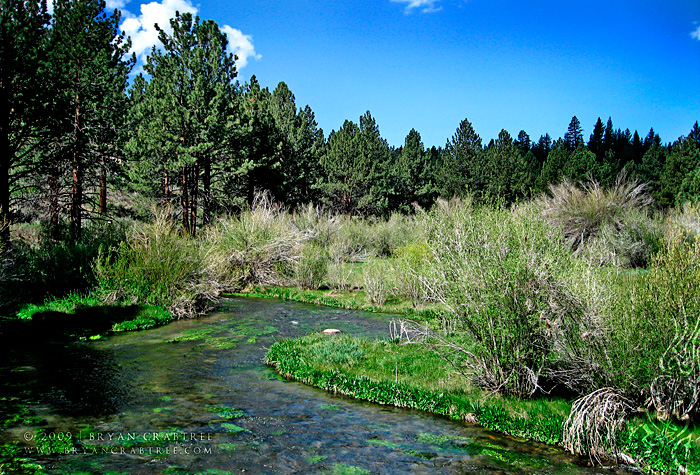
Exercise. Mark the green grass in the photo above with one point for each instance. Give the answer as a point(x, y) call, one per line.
point(84, 314)
point(413, 376)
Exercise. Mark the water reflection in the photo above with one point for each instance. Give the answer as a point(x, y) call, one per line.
point(194, 397)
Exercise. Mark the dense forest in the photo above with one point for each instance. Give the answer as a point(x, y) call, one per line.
point(83, 138)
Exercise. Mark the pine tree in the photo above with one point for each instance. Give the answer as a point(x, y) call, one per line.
point(183, 115)
point(23, 33)
point(683, 158)
point(574, 134)
point(595, 142)
point(506, 169)
point(89, 76)
point(457, 173)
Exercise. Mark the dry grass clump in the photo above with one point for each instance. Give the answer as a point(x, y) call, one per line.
point(611, 224)
point(260, 246)
point(593, 424)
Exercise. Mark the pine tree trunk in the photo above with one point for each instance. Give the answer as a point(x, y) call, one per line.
point(193, 198)
point(77, 190)
point(166, 185)
point(53, 203)
point(206, 189)
point(185, 202)
point(6, 155)
point(103, 187)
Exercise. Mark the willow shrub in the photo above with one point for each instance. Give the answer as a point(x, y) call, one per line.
point(504, 275)
point(156, 265)
point(656, 332)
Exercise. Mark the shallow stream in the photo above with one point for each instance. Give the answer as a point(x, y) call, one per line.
point(195, 397)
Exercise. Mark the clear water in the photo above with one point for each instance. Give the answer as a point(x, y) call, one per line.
point(195, 397)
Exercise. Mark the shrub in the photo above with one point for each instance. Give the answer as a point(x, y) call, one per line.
point(656, 332)
point(504, 276)
point(157, 265)
point(35, 271)
point(338, 275)
point(377, 280)
point(593, 214)
point(413, 266)
point(260, 246)
point(312, 266)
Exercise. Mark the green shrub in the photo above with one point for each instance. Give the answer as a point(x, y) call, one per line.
point(413, 266)
point(377, 277)
point(656, 332)
point(157, 265)
point(312, 266)
point(505, 277)
point(34, 271)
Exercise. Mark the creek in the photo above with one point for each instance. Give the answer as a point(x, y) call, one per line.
point(195, 397)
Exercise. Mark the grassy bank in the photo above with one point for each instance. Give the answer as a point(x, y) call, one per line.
point(88, 317)
point(414, 376)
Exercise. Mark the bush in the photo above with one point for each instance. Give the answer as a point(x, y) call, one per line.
point(414, 263)
point(377, 280)
point(261, 246)
point(505, 277)
point(312, 266)
point(51, 268)
point(656, 332)
point(157, 265)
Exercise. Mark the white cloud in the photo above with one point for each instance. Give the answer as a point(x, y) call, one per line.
point(426, 6)
point(696, 34)
point(142, 28)
point(144, 35)
point(241, 45)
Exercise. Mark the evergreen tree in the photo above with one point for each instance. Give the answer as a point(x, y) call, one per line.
point(409, 165)
point(89, 77)
point(457, 173)
point(523, 142)
point(695, 133)
point(649, 171)
point(23, 32)
point(581, 165)
point(552, 169)
point(346, 174)
point(506, 169)
point(574, 134)
point(683, 158)
point(184, 112)
point(595, 142)
point(542, 148)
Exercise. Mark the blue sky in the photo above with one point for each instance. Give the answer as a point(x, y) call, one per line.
point(429, 64)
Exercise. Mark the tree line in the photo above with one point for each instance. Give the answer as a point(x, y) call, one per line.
point(187, 132)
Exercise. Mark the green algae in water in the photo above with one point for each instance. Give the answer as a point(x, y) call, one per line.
point(328, 407)
point(383, 443)
point(314, 459)
point(343, 469)
point(228, 447)
point(233, 428)
point(225, 412)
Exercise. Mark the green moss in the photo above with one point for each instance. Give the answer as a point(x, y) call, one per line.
point(313, 459)
point(226, 412)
